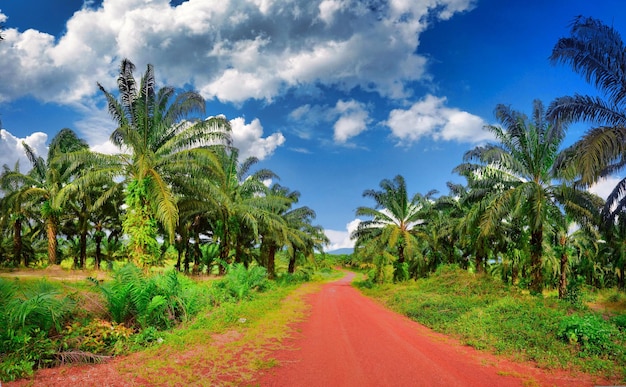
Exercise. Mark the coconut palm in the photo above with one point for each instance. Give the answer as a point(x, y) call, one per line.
point(523, 178)
point(596, 51)
point(391, 222)
point(162, 145)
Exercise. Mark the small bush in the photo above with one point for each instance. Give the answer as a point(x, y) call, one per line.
point(573, 293)
point(591, 333)
point(99, 337)
point(620, 321)
point(241, 282)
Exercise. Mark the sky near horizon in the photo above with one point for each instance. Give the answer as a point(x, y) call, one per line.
point(332, 95)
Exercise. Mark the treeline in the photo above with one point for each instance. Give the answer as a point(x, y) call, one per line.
point(524, 213)
point(177, 185)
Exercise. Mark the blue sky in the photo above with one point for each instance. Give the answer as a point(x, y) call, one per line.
point(332, 95)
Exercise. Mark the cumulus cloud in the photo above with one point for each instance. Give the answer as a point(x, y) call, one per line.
point(348, 118)
point(248, 138)
point(12, 151)
point(340, 239)
point(353, 119)
point(605, 186)
point(231, 50)
point(430, 117)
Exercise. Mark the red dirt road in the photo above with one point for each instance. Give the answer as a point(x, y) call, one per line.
point(350, 340)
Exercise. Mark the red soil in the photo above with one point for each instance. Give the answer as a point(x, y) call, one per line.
point(350, 340)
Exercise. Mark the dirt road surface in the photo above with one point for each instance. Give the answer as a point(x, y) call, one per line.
point(350, 340)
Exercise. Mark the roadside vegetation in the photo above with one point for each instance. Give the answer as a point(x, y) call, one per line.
point(487, 314)
point(44, 323)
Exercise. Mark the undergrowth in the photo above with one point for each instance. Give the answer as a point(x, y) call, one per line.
point(486, 314)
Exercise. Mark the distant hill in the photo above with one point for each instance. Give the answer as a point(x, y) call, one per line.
point(347, 250)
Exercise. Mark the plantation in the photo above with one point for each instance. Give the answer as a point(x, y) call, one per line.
point(184, 238)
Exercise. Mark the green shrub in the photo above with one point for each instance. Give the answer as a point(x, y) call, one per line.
point(162, 300)
point(573, 292)
point(98, 336)
point(591, 333)
point(241, 282)
point(620, 321)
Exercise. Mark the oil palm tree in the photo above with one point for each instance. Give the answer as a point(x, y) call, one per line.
point(48, 181)
point(596, 51)
point(523, 178)
point(162, 144)
point(391, 222)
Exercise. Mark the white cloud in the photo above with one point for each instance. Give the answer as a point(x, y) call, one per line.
point(429, 117)
point(349, 119)
point(353, 119)
point(248, 138)
point(232, 50)
point(12, 151)
point(604, 187)
point(341, 239)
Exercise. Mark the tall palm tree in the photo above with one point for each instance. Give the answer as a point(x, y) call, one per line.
point(391, 221)
point(523, 178)
point(596, 51)
point(162, 145)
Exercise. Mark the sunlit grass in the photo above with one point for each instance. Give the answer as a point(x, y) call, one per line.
point(225, 345)
point(488, 315)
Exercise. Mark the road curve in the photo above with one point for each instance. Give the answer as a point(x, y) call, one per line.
point(350, 340)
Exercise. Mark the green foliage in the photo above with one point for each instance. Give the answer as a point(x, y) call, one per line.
point(24, 351)
point(620, 322)
point(485, 313)
point(137, 300)
point(97, 336)
point(29, 316)
point(573, 293)
point(241, 282)
point(140, 226)
point(594, 335)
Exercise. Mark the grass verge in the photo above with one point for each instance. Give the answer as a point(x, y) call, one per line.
point(485, 314)
point(225, 346)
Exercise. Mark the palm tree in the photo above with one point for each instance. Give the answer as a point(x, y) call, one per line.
point(596, 51)
point(289, 227)
point(47, 183)
point(238, 202)
point(391, 222)
point(520, 177)
point(162, 146)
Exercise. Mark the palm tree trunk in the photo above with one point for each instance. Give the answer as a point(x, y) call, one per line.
point(563, 278)
point(400, 253)
point(536, 269)
point(51, 231)
point(292, 262)
point(98, 258)
point(271, 261)
point(563, 267)
point(17, 242)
